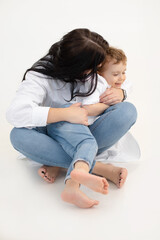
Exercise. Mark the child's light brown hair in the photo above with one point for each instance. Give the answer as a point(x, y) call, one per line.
point(115, 54)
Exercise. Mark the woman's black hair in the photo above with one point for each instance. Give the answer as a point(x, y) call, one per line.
point(70, 58)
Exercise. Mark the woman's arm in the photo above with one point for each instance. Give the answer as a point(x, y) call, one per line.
point(115, 95)
point(73, 114)
point(27, 108)
point(112, 96)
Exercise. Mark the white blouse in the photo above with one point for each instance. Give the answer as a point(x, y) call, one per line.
point(37, 93)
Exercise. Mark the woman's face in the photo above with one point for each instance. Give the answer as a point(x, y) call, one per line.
point(114, 73)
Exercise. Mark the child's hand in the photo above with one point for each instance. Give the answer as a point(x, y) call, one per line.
point(76, 114)
point(112, 96)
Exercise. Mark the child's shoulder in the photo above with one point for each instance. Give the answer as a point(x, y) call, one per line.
point(102, 81)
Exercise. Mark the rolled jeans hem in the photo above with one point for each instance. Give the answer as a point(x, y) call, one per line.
point(90, 166)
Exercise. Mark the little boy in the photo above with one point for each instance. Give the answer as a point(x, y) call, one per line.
point(77, 140)
point(113, 70)
point(113, 76)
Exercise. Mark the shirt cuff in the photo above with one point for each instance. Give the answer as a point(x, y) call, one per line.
point(39, 116)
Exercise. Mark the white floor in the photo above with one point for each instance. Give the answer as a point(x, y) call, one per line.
point(32, 209)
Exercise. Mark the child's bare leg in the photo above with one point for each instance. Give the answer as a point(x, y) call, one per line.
point(81, 175)
point(48, 173)
point(117, 175)
point(72, 194)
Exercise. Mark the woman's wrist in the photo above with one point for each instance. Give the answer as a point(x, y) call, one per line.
point(124, 94)
point(56, 115)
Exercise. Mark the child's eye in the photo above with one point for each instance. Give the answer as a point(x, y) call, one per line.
point(115, 75)
point(124, 73)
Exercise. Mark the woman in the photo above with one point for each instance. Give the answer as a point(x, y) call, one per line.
point(50, 83)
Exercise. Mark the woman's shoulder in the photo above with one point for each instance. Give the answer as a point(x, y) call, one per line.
point(49, 83)
point(35, 75)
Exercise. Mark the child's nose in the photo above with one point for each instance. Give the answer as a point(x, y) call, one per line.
point(120, 77)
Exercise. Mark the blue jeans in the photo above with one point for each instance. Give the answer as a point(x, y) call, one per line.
point(76, 140)
point(39, 146)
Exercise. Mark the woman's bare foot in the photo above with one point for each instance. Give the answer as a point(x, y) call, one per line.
point(117, 175)
point(98, 184)
point(72, 194)
point(48, 173)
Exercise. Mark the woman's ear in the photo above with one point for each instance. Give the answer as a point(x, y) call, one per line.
point(100, 65)
point(88, 71)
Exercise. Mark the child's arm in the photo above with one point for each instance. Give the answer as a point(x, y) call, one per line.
point(95, 109)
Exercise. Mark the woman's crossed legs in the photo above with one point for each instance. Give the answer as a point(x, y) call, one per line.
point(107, 130)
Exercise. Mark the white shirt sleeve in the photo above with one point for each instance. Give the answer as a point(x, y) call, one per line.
point(26, 109)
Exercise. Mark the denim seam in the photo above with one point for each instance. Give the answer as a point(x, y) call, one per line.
point(79, 143)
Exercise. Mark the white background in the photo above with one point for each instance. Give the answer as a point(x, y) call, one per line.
point(27, 30)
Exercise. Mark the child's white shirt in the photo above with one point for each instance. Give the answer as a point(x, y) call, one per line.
point(94, 97)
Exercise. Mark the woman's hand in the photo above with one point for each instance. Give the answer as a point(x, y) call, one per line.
point(112, 96)
point(72, 114)
point(76, 114)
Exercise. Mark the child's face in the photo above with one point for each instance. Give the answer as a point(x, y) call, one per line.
point(114, 73)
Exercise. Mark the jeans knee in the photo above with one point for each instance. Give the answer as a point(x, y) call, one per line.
point(13, 137)
point(19, 138)
point(129, 113)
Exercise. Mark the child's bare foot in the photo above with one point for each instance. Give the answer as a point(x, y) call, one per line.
point(48, 173)
point(77, 197)
point(117, 175)
point(98, 184)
